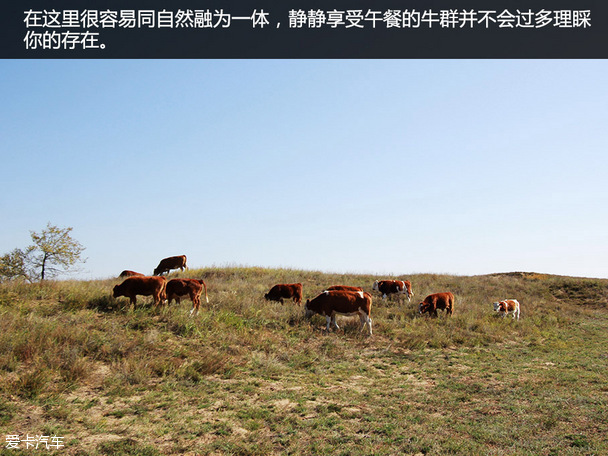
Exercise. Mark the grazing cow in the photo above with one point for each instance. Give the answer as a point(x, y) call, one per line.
point(285, 291)
point(331, 303)
point(388, 287)
point(343, 288)
point(506, 306)
point(176, 288)
point(145, 286)
point(166, 264)
point(442, 301)
point(127, 273)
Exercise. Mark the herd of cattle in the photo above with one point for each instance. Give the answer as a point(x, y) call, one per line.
point(335, 300)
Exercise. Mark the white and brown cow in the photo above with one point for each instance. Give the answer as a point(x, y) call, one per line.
point(144, 286)
point(341, 302)
point(388, 287)
point(506, 306)
point(285, 291)
point(174, 262)
point(193, 288)
point(437, 301)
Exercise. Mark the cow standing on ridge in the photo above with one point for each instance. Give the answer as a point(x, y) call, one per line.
point(174, 262)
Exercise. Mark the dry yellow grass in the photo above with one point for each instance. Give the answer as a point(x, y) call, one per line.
point(248, 376)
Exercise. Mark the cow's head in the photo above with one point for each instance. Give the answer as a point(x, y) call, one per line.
point(307, 311)
point(375, 286)
point(496, 306)
point(423, 307)
point(116, 291)
point(266, 297)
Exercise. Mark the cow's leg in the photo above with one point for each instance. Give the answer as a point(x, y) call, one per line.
point(384, 296)
point(195, 306)
point(327, 322)
point(198, 303)
point(195, 303)
point(333, 322)
point(365, 320)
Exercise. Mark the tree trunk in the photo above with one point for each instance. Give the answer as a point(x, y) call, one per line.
point(43, 265)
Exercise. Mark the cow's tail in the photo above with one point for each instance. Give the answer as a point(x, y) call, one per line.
point(205, 285)
point(368, 299)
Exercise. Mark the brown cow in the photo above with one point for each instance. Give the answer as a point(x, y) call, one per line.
point(331, 303)
point(145, 286)
point(506, 306)
point(388, 287)
point(127, 273)
point(442, 301)
point(174, 262)
point(285, 291)
point(176, 288)
point(343, 288)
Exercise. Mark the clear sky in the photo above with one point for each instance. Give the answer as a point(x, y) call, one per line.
point(380, 166)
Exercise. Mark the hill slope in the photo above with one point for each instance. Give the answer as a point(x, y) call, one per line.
point(248, 376)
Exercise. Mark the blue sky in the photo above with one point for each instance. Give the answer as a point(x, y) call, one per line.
point(380, 166)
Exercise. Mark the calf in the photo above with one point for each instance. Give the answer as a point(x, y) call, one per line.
point(388, 287)
point(442, 301)
point(331, 303)
point(285, 291)
point(127, 273)
point(144, 286)
point(174, 262)
point(176, 288)
point(506, 306)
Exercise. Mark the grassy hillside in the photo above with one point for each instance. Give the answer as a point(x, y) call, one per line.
point(248, 376)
